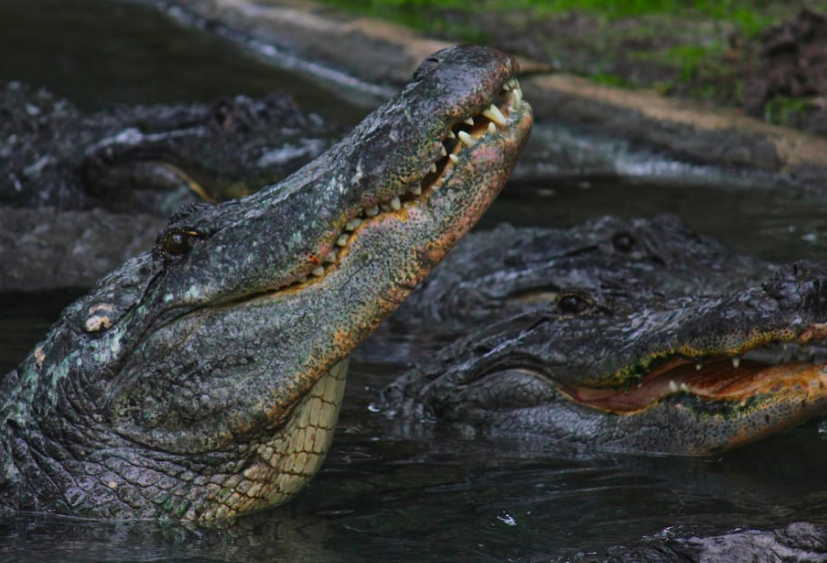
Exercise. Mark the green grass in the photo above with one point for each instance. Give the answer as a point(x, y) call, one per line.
point(608, 79)
point(781, 109)
point(739, 12)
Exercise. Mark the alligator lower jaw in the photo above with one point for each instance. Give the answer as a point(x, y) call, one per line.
point(718, 380)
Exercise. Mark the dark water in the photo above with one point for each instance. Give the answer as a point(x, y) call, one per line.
point(382, 495)
point(779, 225)
point(98, 53)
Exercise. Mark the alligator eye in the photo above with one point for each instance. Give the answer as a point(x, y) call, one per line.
point(178, 243)
point(572, 304)
point(623, 242)
point(223, 113)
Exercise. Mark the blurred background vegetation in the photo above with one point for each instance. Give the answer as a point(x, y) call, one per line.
point(713, 51)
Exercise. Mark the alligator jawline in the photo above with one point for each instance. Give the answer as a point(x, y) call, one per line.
point(465, 134)
point(718, 378)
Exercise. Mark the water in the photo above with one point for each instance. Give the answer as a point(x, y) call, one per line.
point(98, 53)
point(384, 495)
point(777, 225)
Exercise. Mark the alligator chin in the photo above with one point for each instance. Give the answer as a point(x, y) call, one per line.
point(718, 379)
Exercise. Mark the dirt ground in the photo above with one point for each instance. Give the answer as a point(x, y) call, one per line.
point(778, 74)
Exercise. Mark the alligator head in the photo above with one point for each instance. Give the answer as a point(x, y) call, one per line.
point(622, 365)
point(203, 379)
point(148, 158)
point(494, 275)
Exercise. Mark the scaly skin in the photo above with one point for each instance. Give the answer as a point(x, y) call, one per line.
point(493, 275)
point(147, 158)
point(202, 380)
point(623, 365)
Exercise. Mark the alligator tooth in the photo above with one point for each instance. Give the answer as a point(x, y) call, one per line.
point(684, 387)
point(396, 205)
point(318, 272)
point(433, 165)
point(408, 204)
point(467, 139)
point(494, 114)
point(454, 158)
point(353, 224)
point(416, 190)
point(469, 121)
point(331, 257)
point(342, 240)
point(736, 362)
point(491, 128)
point(385, 207)
point(372, 211)
point(443, 151)
point(518, 98)
point(451, 134)
point(673, 387)
point(699, 366)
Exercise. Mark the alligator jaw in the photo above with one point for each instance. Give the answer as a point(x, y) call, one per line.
point(732, 377)
point(472, 141)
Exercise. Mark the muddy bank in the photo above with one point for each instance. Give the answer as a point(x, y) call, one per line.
point(675, 131)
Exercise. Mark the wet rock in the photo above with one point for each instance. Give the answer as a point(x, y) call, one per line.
point(799, 542)
point(794, 57)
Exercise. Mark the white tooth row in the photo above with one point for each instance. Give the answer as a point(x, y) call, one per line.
point(512, 93)
point(736, 363)
point(674, 387)
point(394, 204)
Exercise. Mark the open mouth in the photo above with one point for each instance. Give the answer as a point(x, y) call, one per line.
point(458, 140)
point(779, 367)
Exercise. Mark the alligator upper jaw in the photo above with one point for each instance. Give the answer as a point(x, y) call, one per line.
point(479, 149)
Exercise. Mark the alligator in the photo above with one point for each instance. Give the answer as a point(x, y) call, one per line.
point(202, 379)
point(612, 356)
point(148, 158)
point(80, 193)
point(799, 542)
point(492, 275)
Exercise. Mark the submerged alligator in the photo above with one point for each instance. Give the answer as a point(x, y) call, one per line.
point(493, 275)
point(688, 352)
point(203, 379)
point(81, 193)
point(148, 158)
point(800, 542)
